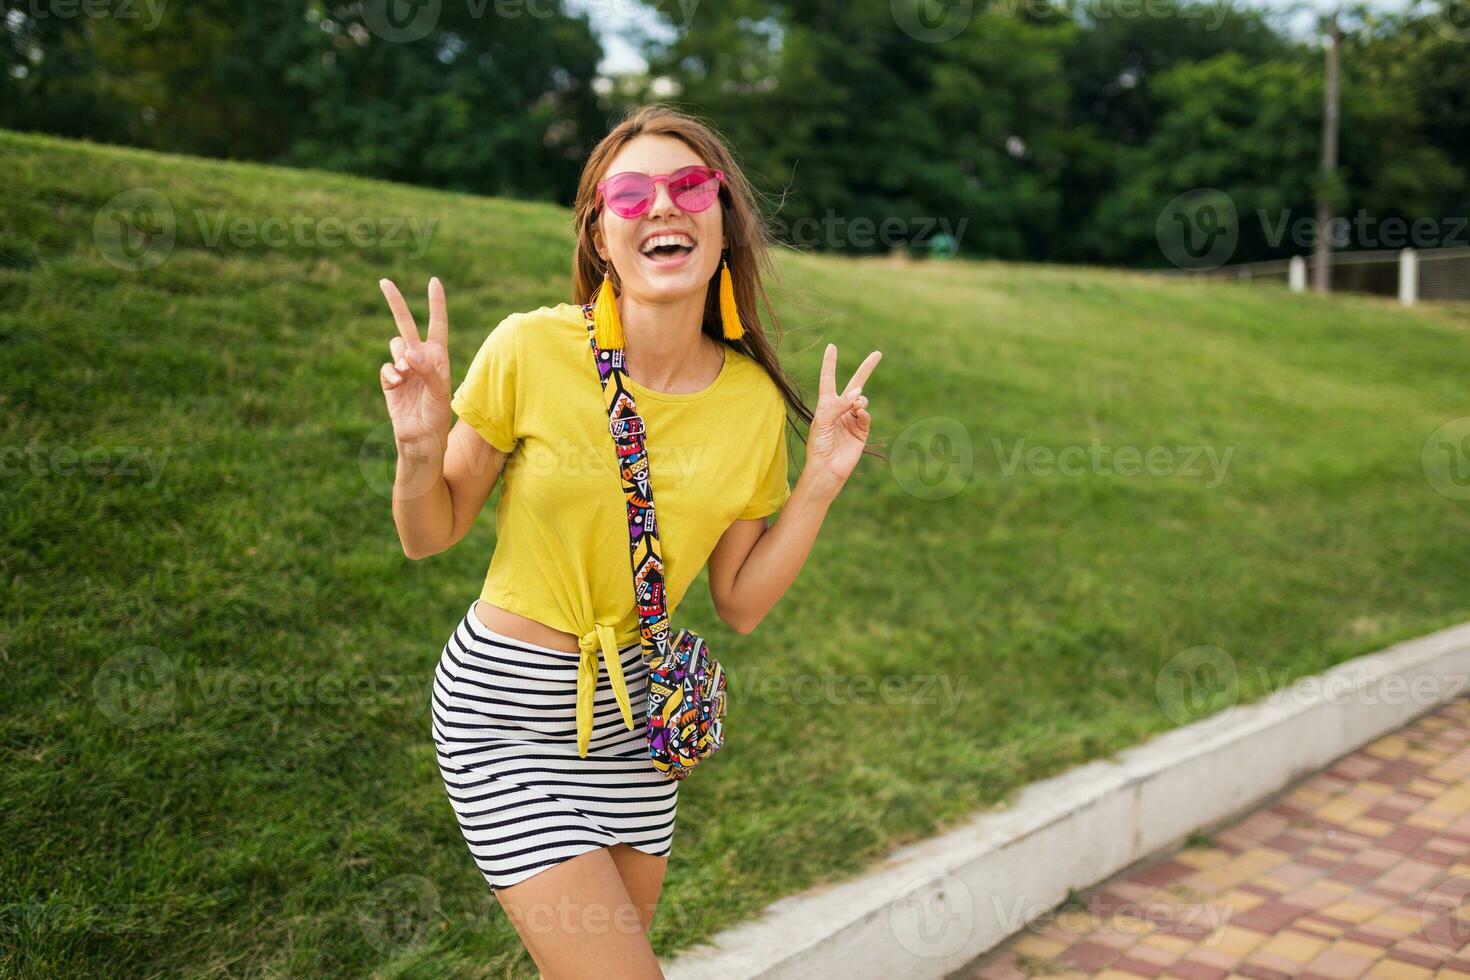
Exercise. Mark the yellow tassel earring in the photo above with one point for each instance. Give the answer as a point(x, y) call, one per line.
point(729, 310)
point(607, 328)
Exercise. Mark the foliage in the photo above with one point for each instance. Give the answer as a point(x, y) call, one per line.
point(485, 101)
point(1051, 130)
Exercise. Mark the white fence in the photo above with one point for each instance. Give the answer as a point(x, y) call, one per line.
point(1410, 274)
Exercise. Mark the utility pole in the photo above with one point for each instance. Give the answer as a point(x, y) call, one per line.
point(1322, 256)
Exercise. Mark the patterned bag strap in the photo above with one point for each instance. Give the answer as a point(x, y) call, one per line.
point(628, 431)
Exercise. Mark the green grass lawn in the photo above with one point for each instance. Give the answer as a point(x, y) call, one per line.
point(217, 659)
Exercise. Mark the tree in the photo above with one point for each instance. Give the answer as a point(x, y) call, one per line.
point(484, 99)
point(1253, 131)
point(863, 123)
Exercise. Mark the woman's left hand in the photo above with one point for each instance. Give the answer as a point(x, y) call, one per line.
point(840, 423)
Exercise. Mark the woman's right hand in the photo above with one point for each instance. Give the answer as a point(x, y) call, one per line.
point(416, 380)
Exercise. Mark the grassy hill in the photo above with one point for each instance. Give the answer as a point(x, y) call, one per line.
point(217, 659)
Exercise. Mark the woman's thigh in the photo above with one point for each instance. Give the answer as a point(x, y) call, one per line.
point(579, 922)
point(643, 876)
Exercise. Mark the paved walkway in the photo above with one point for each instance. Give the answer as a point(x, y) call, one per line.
point(1362, 870)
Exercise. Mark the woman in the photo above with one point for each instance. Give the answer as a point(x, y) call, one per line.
point(566, 817)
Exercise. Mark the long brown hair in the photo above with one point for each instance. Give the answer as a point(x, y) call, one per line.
point(749, 238)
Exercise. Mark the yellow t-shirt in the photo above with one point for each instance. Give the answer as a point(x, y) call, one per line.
point(561, 552)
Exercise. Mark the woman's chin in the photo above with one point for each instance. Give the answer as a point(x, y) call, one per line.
point(665, 285)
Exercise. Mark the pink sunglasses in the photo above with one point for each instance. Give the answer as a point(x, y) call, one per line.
point(630, 193)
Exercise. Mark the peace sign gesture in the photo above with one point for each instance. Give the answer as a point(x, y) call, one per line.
point(416, 380)
point(840, 424)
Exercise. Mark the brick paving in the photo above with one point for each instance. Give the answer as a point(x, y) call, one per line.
point(1361, 870)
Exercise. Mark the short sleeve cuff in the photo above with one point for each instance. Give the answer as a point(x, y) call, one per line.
point(766, 507)
point(488, 430)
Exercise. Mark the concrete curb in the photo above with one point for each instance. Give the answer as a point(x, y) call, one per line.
point(933, 906)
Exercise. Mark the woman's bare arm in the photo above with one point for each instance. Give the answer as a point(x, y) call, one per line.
point(753, 565)
point(438, 495)
point(443, 476)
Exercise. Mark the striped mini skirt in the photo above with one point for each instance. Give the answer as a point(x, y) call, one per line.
point(505, 729)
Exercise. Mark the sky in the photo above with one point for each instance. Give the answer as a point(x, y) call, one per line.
point(616, 23)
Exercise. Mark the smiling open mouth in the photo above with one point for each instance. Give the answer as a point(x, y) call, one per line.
point(663, 248)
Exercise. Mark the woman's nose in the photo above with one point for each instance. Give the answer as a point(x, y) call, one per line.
point(663, 202)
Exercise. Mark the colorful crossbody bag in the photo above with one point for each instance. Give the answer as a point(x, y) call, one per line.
point(686, 685)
